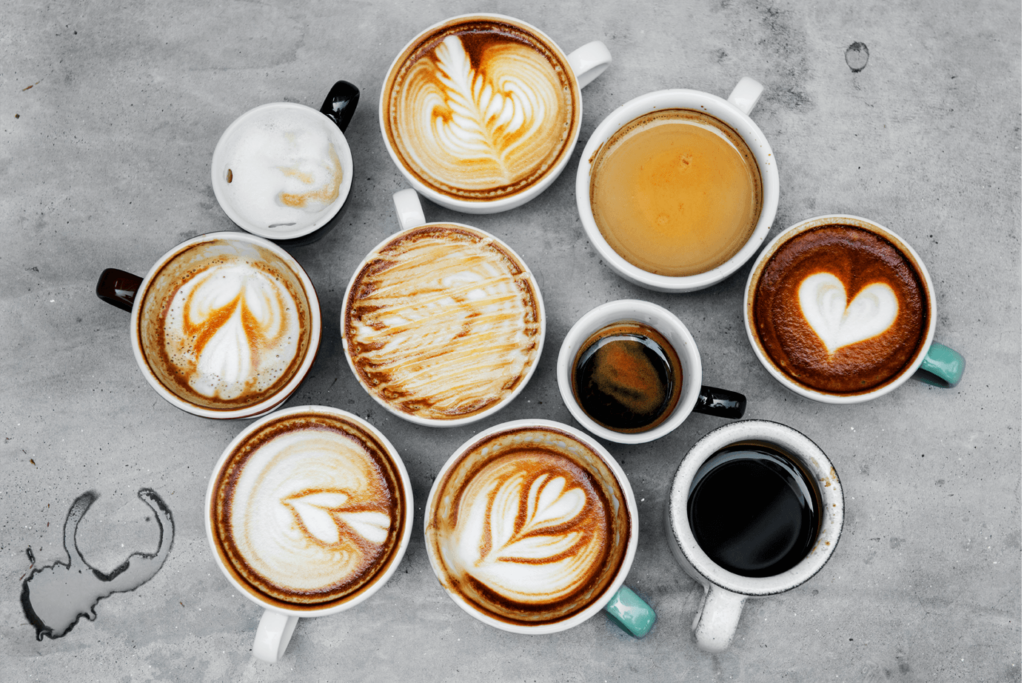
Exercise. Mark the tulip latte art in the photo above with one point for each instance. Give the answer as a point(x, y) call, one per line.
point(442, 322)
point(308, 510)
point(840, 309)
point(481, 109)
point(528, 529)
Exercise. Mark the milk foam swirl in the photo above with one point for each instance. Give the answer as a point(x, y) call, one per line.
point(231, 330)
point(483, 114)
point(443, 323)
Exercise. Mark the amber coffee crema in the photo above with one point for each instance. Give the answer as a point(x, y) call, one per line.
point(676, 192)
point(442, 322)
point(308, 510)
point(225, 324)
point(529, 526)
point(840, 309)
point(480, 109)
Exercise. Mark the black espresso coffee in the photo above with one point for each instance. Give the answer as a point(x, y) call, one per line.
point(754, 510)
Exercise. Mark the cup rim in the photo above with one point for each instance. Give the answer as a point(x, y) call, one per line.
point(482, 206)
point(630, 309)
point(598, 603)
point(712, 105)
point(856, 222)
point(475, 417)
point(344, 155)
point(796, 444)
point(381, 578)
point(270, 402)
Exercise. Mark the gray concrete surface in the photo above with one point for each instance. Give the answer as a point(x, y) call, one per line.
point(109, 113)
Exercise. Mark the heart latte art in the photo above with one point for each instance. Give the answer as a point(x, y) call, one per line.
point(480, 110)
point(823, 303)
point(308, 509)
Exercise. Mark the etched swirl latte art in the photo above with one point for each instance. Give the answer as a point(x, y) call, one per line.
point(485, 122)
point(530, 529)
point(231, 331)
point(442, 323)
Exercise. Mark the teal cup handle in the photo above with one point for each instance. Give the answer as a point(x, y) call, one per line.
point(942, 367)
point(629, 612)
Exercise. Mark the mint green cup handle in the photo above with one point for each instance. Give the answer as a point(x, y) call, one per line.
point(942, 367)
point(630, 613)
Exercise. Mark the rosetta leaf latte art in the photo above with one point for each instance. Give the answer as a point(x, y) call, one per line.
point(323, 515)
point(545, 533)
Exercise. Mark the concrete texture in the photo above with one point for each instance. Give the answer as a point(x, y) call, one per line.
point(109, 113)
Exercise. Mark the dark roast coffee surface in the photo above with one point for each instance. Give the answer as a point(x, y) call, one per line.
point(753, 510)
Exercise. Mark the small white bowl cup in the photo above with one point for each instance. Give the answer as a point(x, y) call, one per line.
point(670, 327)
point(734, 113)
point(278, 623)
point(587, 63)
point(410, 215)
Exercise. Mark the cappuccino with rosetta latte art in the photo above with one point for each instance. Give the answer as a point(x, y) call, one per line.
point(481, 108)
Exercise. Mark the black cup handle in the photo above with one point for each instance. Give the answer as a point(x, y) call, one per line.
point(118, 288)
point(341, 103)
point(720, 402)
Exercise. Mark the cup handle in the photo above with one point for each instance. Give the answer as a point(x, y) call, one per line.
point(589, 62)
point(410, 211)
point(118, 288)
point(629, 612)
point(720, 403)
point(746, 94)
point(341, 103)
point(273, 635)
point(717, 619)
point(942, 367)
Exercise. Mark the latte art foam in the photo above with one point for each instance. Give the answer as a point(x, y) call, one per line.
point(442, 322)
point(308, 510)
point(481, 110)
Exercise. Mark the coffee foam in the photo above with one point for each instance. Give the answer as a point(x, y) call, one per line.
point(529, 526)
point(481, 110)
point(281, 168)
point(225, 325)
point(442, 322)
point(308, 510)
point(840, 309)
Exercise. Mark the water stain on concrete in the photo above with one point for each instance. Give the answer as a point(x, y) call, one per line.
point(55, 597)
point(857, 57)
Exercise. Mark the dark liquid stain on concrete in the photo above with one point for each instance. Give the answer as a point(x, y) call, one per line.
point(857, 57)
point(55, 597)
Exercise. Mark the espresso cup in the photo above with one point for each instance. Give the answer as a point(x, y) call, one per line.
point(632, 374)
point(442, 324)
point(283, 170)
point(225, 325)
point(531, 527)
point(485, 125)
point(751, 490)
point(817, 342)
point(308, 513)
point(728, 129)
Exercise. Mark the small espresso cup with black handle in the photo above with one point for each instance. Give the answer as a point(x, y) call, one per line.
point(693, 396)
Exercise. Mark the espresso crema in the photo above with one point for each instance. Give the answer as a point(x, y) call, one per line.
point(225, 325)
point(528, 526)
point(480, 109)
point(443, 322)
point(308, 511)
point(840, 309)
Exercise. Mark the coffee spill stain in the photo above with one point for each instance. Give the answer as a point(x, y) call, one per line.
point(55, 597)
point(857, 57)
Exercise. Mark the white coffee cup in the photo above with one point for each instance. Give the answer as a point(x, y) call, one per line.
point(692, 398)
point(278, 622)
point(734, 112)
point(725, 592)
point(587, 63)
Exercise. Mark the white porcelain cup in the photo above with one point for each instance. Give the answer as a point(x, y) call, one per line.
point(734, 112)
point(725, 592)
point(693, 397)
point(278, 621)
point(587, 63)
